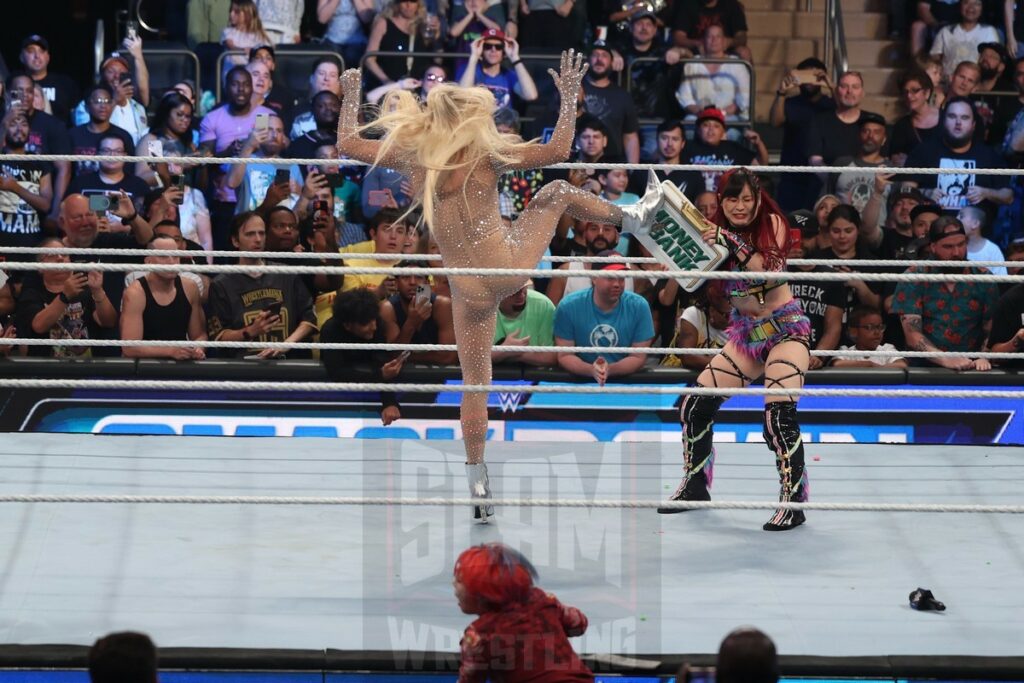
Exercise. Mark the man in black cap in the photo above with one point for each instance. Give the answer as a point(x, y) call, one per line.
point(854, 187)
point(650, 82)
point(612, 104)
point(712, 148)
point(58, 89)
point(992, 59)
point(947, 316)
point(888, 239)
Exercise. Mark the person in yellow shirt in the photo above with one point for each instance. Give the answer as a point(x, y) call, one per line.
point(387, 231)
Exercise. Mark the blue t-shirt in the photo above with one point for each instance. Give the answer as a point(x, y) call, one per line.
point(579, 320)
point(501, 86)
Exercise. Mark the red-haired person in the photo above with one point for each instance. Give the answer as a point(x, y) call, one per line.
point(768, 335)
point(522, 633)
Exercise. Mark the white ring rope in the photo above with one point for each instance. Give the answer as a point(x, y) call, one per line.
point(508, 502)
point(709, 168)
point(795, 276)
point(564, 388)
point(353, 346)
point(354, 256)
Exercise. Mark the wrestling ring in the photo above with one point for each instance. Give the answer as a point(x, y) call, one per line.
point(292, 549)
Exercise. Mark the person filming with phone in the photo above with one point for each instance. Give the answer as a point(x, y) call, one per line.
point(264, 186)
point(415, 315)
point(112, 178)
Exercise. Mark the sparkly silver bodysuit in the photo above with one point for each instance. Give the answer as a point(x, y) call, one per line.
point(470, 233)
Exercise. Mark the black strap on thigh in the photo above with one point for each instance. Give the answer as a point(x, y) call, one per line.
point(735, 372)
point(773, 383)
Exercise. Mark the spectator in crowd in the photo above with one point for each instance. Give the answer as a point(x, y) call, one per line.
point(261, 186)
point(26, 189)
point(958, 148)
point(434, 75)
point(282, 20)
point(1012, 143)
point(326, 77)
point(1007, 334)
point(843, 226)
point(964, 81)
point(707, 204)
point(518, 187)
point(243, 32)
point(798, 99)
point(836, 133)
point(702, 325)
point(723, 86)
point(992, 59)
point(592, 143)
point(650, 81)
point(326, 109)
point(329, 183)
point(163, 306)
point(855, 187)
point(170, 230)
point(345, 20)
point(59, 90)
point(384, 188)
point(124, 657)
point(671, 145)
point(613, 183)
point(974, 221)
point(280, 97)
point(711, 147)
point(820, 211)
point(549, 26)
point(886, 221)
point(206, 19)
point(60, 304)
point(959, 42)
point(172, 135)
point(255, 306)
point(355, 320)
point(85, 139)
point(415, 315)
point(402, 26)
point(130, 88)
point(691, 20)
point(191, 216)
point(823, 302)
point(46, 134)
point(599, 238)
point(612, 104)
point(223, 132)
point(386, 233)
point(111, 179)
point(525, 318)
point(922, 120)
point(261, 85)
point(747, 655)
point(931, 16)
point(485, 68)
point(947, 316)
point(603, 315)
point(472, 24)
point(865, 327)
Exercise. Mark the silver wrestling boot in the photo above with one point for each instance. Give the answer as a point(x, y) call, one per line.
point(637, 218)
point(479, 487)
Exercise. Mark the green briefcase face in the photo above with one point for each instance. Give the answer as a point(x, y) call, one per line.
point(676, 238)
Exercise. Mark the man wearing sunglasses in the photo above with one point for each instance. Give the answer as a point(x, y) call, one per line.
point(485, 68)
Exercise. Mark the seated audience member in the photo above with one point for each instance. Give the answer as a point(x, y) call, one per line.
point(824, 304)
point(1011, 118)
point(671, 145)
point(256, 185)
point(613, 182)
point(518, 187)
point(603, 315)
point(843, 227)
point(526, 318)
point(922, 120)
point(711, 148)
point(170, 230)
point(386, 232)
point(333, 184)
point(111, 178)
point(59, 90)
point(979, 248)
point(26, 190)
point(413, 318)
point(747, 655)
point(1007, 335)
point(835, 133)
point(279, 97)
point(992, 60)
point(612, 104)
point(702, 325)
point(723, 86)
point(384, 188)
point(958, 148)
point(1014, 252)
point(959, 42)
point(356, 319)
point(264, 307)
point(855, 187)
point(865, 327)
point(283, 235)
point(707, 204)
point(85, 139)
point(130, 91)
point(326, 76)
point(165, 307)
point(124, 657)
point(60, 304)
point(325, 110)
point(650, 82)
point(599, 238)
point(947, 316)
point(172, 135)
point(690, 20)
point(822, 208)
point(191, 216)
point(890, 240)
point(47, 135)
point(485, 68)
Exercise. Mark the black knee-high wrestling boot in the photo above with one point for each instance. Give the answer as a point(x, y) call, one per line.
point(782, 432)
point(697, 417)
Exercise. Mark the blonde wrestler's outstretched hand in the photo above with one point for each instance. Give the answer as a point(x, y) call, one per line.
point(570, 73)
point(352, 83)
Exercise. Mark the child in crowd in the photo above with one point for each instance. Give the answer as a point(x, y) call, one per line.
point(244, 31)
point(866, 327)
point(522, 633)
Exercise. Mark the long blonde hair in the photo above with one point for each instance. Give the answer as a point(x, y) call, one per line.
point(251, 22)
point(454, 129)
point(391, 11)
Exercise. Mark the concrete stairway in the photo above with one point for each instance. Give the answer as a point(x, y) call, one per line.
point(782, 33)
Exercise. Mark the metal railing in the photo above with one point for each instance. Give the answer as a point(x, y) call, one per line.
point(752, 85)
point(835, 40)
point(183, 53)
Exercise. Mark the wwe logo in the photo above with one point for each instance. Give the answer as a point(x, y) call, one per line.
point(509, 400)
